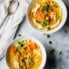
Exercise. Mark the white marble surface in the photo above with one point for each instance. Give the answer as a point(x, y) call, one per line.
point(60, 42)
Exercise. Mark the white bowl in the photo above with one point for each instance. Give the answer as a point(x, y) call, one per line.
point(44, 56)
point(64, 17)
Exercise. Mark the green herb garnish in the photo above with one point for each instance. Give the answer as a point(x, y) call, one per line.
point(21, 43)
point(17, 52)
point(60, 52)
point(50, 42)
point(52, 51)
point(24, 61)
point(45, 8)
point(19, 35)
point(31, 62)
point(19, 46)
point(47, 35)
point(46, 23)
point(38, 21)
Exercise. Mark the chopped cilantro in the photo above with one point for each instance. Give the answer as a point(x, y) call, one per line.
point(46, 23)
point(52, 51)
point(47, 35)
point(31, 61)
point(50, 42)
point(37, 21)
point(60, 52)
point(19, 34)
point(45, 8)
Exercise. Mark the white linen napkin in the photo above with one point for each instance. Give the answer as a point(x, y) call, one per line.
point(13, 20)
point(3, 11)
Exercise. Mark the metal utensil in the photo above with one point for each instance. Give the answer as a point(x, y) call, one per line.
point(11, 9)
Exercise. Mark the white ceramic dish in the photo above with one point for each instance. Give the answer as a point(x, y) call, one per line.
point(44, 56)
point(64, 17)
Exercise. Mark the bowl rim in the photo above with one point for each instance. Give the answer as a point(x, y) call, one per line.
point(44, 53)
point(63, 21)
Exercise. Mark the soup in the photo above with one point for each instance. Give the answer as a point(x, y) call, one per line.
point(24, 54)
point(45, 15)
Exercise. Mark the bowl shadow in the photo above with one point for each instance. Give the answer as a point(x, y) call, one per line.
point(51, 58)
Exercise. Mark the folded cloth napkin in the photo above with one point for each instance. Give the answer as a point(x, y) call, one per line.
point(12, 22)
point(3, 11)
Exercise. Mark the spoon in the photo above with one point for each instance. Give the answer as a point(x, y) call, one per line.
point(13, 6)
point(11, 9)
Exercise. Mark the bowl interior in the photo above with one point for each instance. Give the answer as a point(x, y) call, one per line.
point(36, 41)
point(64, 16)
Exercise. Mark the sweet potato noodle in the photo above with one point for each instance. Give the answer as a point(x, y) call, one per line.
point(45, 14)
point(24, 54)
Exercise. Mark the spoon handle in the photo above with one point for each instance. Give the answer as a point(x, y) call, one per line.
point(4, 25)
